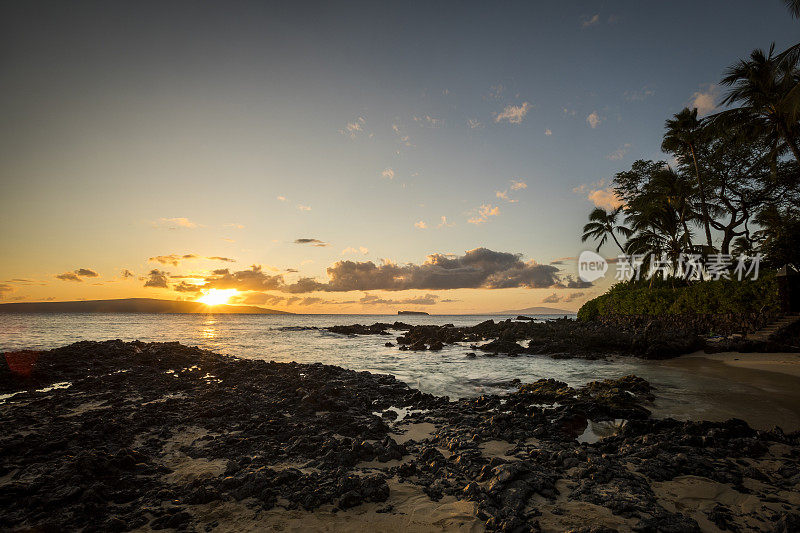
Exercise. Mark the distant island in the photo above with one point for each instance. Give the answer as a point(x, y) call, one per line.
point(133, 305)
point(536, 311)
point(412, 313)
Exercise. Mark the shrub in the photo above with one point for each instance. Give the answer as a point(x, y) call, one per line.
point(662, 297)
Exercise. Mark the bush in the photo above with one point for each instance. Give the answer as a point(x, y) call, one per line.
point(674, 297)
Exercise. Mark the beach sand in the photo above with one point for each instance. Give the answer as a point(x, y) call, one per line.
point(762, 389)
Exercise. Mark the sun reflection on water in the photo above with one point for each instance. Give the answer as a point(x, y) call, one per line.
point(208, 331)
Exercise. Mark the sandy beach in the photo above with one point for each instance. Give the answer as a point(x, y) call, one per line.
point(762, 388)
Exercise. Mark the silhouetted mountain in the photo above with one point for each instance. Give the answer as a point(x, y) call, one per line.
point(132, 305)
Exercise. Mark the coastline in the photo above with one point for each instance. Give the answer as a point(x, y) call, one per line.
point(761, 388)
point(777, 362)
point(160, 435)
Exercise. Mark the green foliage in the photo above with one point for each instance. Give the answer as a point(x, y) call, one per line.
point(676, 296)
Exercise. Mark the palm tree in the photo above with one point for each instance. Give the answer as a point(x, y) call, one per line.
point(683, 133)
point(767, 87)
point(603, 224)
point(794, 7)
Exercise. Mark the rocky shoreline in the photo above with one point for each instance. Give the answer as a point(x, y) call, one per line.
point(115, 436)
point(647, 338)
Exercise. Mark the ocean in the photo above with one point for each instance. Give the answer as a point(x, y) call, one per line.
point(680, 393)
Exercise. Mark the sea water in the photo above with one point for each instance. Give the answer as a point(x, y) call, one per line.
point(302, 338)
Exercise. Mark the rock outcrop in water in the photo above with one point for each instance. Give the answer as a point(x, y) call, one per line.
point(121, 436)
point(654, 339)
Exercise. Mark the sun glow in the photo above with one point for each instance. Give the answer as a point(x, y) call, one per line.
point(216, 296)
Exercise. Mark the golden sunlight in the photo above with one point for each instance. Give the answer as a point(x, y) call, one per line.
point(216, 296)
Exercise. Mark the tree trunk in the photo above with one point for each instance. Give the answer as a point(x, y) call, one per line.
point(686, 227)
point(726, 241)
point(791, 141)
point(618, 244)
point(703, 206)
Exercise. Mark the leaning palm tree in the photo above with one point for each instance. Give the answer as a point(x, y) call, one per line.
point(682, 136)
point(602, 225)
point(768, 90)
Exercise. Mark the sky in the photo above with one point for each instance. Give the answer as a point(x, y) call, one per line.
point(358, 157)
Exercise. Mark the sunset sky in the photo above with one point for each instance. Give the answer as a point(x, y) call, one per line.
point(328, 158)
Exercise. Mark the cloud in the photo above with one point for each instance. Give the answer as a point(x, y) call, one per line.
point(253, 279)
point(175, 223)
point(571, 283)
point(590, 21)
point(548, 132)
point(259, 298)
point(77, 274)
point(428, 299)
point(555, 298)
point(570, 112)
point(429, 121)
point(353, 129)
point(479, 268)
point(619, 153)
point(593, 119)
point(303, 207)
point(175, 259)
point(313, 242)
point(573, 296)
point(637, 96)
point(236, 226)
point(704, 99)
point(514, 114)
point(351, 250)
point(125, 273)
point(443, 223)
point(518, 185)
point(503, 195)
point(403, 139)
point(496, 91)
point(171, 259)
point(4, 288)
point(281, 198)
point(484, 212)
point(474, 123)
point(186, 287)
point(605, 198)
point(157, 279)
point(387, 173)
point(420, 225)
point(600, 195)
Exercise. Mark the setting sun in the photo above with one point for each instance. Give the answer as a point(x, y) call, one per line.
point(216, 296)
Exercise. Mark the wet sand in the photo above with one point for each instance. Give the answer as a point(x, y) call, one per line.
point(762, 389)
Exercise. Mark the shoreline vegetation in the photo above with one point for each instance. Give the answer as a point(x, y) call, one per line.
point(735, 172)
point(164, 436)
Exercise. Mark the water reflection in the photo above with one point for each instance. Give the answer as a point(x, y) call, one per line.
point(208, 330)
